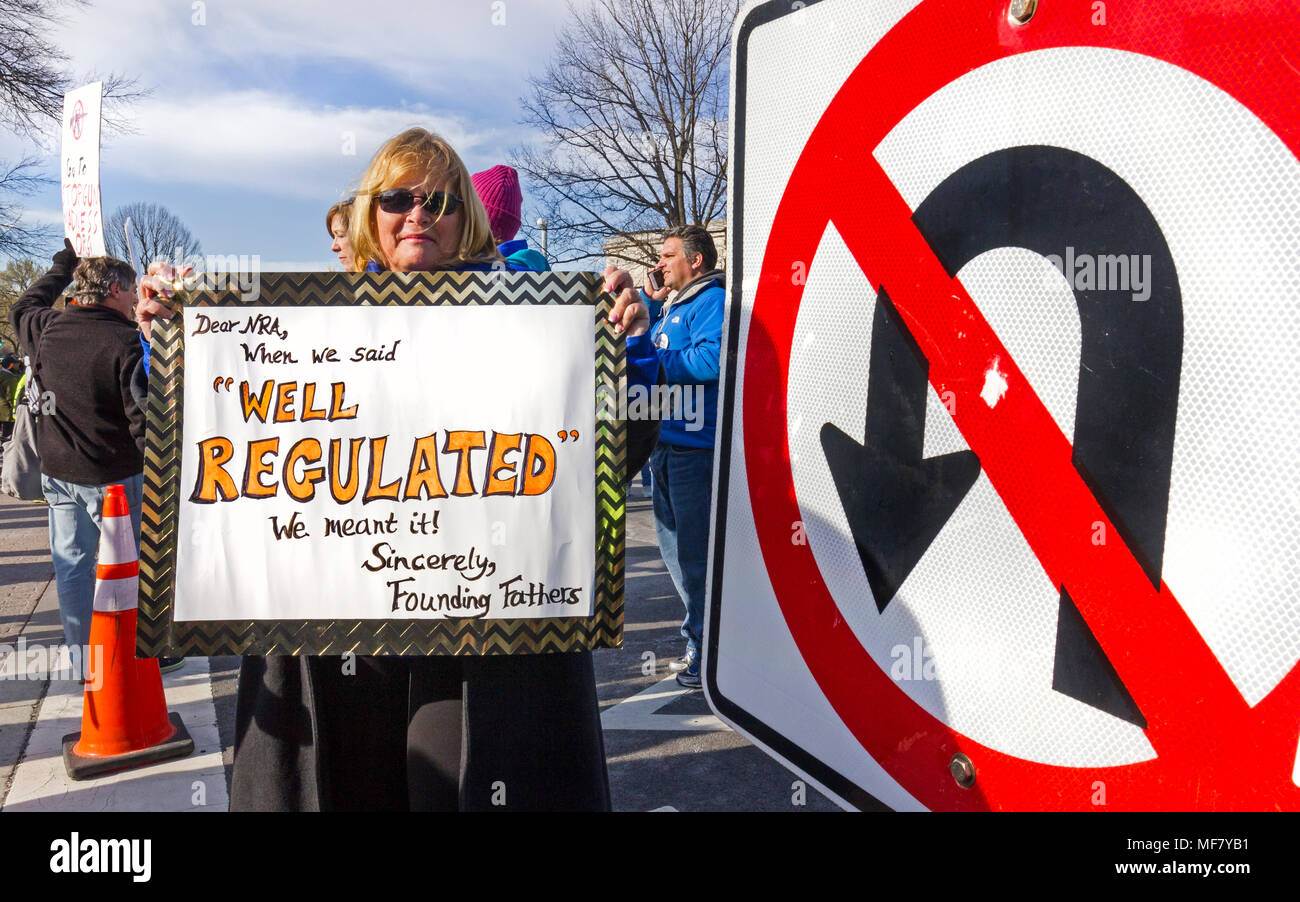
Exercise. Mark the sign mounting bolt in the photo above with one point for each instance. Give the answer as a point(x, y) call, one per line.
point(962, 770)
point(1021, 11)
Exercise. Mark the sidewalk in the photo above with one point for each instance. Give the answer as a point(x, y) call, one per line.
point(28, 607)
point(37, 712)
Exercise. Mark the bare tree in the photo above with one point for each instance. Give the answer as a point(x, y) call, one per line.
point(34, 74)
point(33, 79)
point(17, 237)
point(156, 233)
point(633, 108)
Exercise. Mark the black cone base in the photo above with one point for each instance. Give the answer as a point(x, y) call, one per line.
point(80, 768)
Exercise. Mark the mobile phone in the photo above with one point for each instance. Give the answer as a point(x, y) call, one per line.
point(657, 280)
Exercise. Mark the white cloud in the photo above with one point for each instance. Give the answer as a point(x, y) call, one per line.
point(259, 101)
point(229, 105)
point(420, 44)
point(256, 140)
point(43, 217)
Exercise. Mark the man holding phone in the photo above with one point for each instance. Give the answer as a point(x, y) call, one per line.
point(687, 335)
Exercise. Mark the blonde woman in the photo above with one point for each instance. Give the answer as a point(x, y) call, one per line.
point(426, 733)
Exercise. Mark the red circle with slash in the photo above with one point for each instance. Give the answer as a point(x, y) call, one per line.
point(1213, 750)
point(78, 118)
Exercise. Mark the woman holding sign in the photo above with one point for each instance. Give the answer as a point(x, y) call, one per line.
point(513, 732)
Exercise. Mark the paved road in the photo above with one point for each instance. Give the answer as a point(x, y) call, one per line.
point(665, 748)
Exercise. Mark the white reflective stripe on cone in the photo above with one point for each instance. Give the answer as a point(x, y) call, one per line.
point(116, 541)
point(117, 595)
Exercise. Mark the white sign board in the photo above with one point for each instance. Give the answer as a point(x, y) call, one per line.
point(1006, 493)
point(83, 218)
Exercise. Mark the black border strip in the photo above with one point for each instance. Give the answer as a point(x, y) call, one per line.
point(796, 755)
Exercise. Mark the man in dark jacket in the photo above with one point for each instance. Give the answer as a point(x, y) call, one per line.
point(86, 362)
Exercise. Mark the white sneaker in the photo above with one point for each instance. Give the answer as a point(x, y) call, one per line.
point(685, 661)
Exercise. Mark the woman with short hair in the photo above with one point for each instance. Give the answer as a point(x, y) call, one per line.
point(336, 224)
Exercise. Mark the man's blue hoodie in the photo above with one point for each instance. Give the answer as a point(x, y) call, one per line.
point(687, 335)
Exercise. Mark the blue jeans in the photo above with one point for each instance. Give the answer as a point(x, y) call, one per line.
point(75, 512)
point(683, 486)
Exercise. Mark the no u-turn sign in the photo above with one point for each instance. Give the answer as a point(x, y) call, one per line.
point(1007, 511)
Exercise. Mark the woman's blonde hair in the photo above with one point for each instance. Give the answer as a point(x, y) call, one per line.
point(418, 151)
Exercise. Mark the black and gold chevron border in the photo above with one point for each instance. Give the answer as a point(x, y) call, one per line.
point(158, 633)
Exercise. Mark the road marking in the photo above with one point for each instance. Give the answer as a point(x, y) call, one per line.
point(637, 712)
point(41, 783)
point(658, 625)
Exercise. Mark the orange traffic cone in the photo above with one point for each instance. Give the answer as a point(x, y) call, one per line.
point(124, 722)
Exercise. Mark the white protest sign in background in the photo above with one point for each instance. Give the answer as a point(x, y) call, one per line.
point(83, 217)
point(438, 464)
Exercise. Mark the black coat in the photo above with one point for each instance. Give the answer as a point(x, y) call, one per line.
point(503, 732)
point(89, 361)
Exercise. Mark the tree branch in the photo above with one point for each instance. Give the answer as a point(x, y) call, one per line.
point(633, 113)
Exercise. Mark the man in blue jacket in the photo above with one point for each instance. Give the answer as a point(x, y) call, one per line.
point(687, 335)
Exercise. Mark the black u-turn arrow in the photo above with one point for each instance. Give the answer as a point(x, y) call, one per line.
point(1054, 202)
point(895, 501)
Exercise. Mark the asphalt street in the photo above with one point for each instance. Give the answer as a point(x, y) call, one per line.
point(665, 749)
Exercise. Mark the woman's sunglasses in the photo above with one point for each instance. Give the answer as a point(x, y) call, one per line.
point(399, 201)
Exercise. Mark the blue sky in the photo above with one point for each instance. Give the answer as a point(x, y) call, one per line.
point(251, 106)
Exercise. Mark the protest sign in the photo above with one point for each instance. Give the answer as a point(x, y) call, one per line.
point(83, 217)
point(384, 463)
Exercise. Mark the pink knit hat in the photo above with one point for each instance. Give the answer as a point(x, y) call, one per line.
point(498, 188)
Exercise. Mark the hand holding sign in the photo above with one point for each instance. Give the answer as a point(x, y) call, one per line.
point(630, 315)
point(156, 290)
